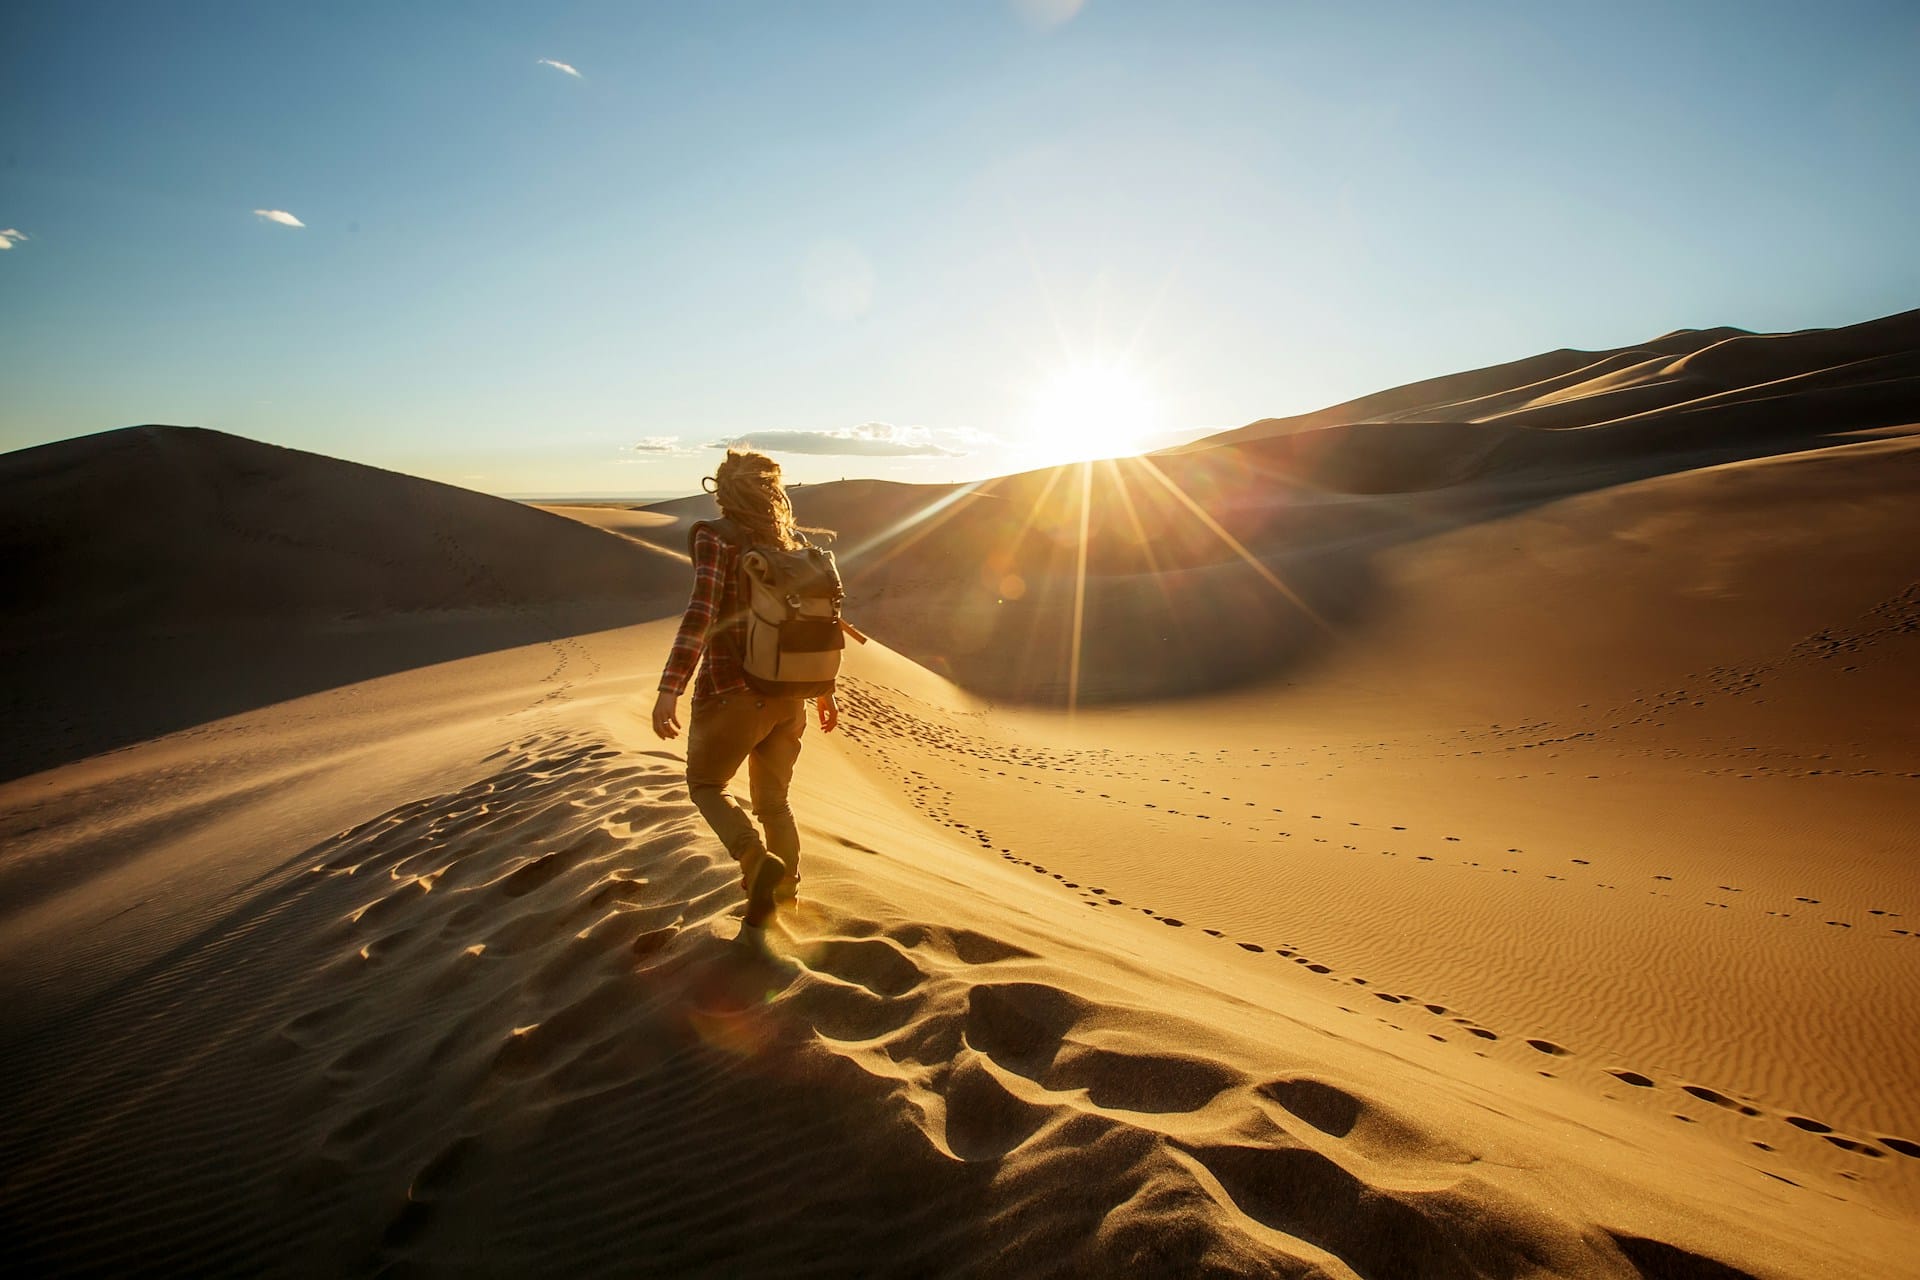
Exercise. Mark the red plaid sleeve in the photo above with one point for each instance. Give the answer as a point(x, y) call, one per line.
point(702, 609)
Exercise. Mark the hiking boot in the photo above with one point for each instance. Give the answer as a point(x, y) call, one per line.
point(749, 863)
point(762, 887)
point(788, 889)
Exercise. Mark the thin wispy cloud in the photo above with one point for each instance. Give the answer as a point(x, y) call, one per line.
point(11, 237)
point(660, 445)
point(280, 216)
point(1046, 14)
point(868, 440)
point(560, 66)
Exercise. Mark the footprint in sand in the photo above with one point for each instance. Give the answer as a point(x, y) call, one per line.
point(1719, 1099)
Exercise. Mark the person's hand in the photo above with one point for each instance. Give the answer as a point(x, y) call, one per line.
point(829, 710)
point(666, 715)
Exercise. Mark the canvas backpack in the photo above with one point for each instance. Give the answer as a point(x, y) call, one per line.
point(793, 633)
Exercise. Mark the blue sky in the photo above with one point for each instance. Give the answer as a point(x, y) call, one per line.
point(886, 231)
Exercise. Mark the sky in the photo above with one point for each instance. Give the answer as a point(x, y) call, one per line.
point(574, 248)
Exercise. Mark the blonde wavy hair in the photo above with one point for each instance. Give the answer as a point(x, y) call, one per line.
point(748, 490)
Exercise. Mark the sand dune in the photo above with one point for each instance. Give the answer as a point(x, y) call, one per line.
point(1675, 368)
point(491, 1021)
point(614, 517)
point(158, 577)
point(1523, 884)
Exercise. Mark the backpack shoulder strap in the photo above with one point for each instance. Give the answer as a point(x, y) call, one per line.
point(723, 528)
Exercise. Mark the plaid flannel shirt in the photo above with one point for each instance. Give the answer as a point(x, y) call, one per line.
point(713, 625)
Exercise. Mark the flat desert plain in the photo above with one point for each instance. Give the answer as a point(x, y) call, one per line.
point(1470, 831)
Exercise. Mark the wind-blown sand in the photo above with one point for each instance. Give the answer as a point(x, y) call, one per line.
point(1551, 910)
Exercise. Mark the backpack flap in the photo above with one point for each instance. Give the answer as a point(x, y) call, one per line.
point(794, 637)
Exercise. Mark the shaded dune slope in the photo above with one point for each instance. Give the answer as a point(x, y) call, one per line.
point(157, 577)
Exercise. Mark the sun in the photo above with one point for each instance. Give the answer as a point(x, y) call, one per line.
point(1088, 411)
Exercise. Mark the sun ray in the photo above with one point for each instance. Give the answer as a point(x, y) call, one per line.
point(1238, 548)
point(1133, 513)
point(1146, 317)
point(921, 523)
point(1139, 530)
point(1046, 297)
point(1033, 511)
point(1080, 588)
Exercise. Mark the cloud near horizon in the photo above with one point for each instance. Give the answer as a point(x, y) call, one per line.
point(280, 216)
point(659, 444)
point(868, 440)
point(11, 237)
point(560, 66)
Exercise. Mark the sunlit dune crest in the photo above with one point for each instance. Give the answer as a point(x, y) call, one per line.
point(1463, 832)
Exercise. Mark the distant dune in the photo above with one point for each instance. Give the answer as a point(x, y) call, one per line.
point(1681, 373)
point(1483, 845)
point(207, 525)
point(157, 577)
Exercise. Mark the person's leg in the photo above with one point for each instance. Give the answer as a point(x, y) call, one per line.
point(721, 732)
point(769, 775)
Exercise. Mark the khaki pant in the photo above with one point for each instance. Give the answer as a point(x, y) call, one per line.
point(764, 732)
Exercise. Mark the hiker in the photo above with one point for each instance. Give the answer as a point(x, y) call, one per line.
point(739, 714)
